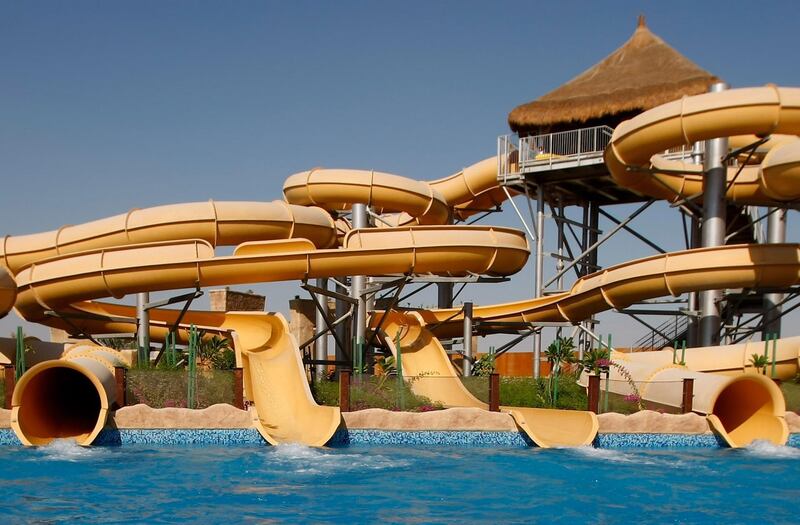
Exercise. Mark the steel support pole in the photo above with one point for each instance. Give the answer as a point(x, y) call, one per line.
point(360, 220)
point(537, 291)
point(143, 326)
point(467, 367)
point(343, 330)
point(693, 324)
point(713, 229)
point(320, 326)
point(776, 233)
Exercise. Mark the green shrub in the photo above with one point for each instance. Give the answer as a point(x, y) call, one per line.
point(374, 392)
point(167, 388)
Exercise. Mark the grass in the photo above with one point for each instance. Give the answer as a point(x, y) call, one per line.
point(168, 388)
point(529, 392)
point(374, 392)
point(791, 392)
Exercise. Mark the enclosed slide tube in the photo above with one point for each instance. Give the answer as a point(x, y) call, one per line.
point(633, 160)
point(219, 223)
point(400, 200)
point(739, 409)
point(66, 398)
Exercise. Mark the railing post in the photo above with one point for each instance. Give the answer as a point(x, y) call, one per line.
point(688, 395)
point(344, 390)
point(593, 393)
point(9, 380)
point(121, 380)
point(494, 392)
point(238, 388)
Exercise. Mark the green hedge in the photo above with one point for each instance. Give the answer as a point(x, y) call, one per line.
point(168, 388)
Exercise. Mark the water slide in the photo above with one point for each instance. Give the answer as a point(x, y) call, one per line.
point(62, 268)
point(433, 376)
point(275, 377)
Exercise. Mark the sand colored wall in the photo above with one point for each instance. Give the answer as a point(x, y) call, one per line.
point(227, 300)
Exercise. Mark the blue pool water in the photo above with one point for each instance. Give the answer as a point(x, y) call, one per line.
point(367, 484)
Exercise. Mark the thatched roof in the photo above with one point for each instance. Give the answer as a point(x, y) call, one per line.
point(642, 74)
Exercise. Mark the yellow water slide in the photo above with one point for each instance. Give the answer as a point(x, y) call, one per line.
point(634, 160)
point(67, 397)
point(740, 407)
point(432, 375)
point(93, 261)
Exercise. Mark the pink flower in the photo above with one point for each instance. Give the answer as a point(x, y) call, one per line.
point(632, 398)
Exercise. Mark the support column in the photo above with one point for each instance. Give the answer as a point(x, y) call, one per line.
point(467, 366)
point(713, 229)
point(776, 233)
point(357, 285)
point(343, 330)
point(693, 325)
point(143, 328)
point(537, 291)
point(321, 344)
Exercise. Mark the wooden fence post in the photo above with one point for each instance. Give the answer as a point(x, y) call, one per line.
point(9, 379)
point(494, 392)
point(594, 393)
point(238, 388)
point(688, 395)
point(121, 380)
point(344, 390)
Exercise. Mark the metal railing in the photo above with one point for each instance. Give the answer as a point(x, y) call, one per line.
point(667, 333)
point(507, 158)
point(572, 146)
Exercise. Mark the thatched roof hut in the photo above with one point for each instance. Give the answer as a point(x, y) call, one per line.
point(642, 74)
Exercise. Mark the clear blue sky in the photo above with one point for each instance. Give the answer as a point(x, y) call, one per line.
point(107, 106)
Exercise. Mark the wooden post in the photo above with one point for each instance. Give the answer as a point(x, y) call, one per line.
point(238, 388)
point(344, 390)
point(494, 392)
point(688, 395)
point(594, 393)
point(121, 379)
point(9, 379)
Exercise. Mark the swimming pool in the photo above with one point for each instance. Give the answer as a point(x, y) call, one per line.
point(367, 484)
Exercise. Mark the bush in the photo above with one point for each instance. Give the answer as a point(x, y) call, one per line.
point(373, 392)
point(168, 388)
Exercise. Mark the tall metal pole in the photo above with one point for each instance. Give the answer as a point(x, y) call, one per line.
point(692, 326)
point(467, 367)
point(357, 284)
point(342, 329)
point(537, 291)
point(143, 328)
point(776, 233)
point(321, 344)
point(713, 229)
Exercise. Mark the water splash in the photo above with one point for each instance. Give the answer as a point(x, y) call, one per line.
point(606, 455)
point(765, 449)
point(68, 450)
point(302, 459)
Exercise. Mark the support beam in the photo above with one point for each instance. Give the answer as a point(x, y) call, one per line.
point(776, 233)
point(143, 327)
point(467, 366)
point(539, 278)
point(320, 328)
point(713, 228)
point(360, 220)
